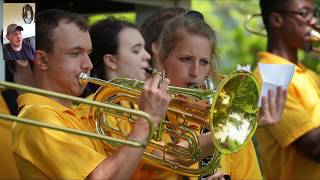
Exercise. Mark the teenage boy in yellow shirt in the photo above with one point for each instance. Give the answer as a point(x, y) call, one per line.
point(290, 149)
point(63, 48)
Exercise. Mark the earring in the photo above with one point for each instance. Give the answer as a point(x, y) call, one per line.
point(195, 14)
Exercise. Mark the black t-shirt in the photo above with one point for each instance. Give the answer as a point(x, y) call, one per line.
point(25, 53)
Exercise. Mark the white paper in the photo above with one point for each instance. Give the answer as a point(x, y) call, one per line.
point(274, 75)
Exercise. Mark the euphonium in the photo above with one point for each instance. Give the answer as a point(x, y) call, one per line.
point(230, 113)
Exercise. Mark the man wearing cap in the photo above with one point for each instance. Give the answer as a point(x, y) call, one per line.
point(17, 49)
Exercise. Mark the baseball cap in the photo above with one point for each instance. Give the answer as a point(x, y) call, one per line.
point(12, 27)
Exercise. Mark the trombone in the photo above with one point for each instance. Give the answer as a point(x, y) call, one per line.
point(260, 31)
point(102, 106)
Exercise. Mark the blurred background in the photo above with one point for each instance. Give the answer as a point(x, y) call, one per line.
point(227, 17)
point(237, 46)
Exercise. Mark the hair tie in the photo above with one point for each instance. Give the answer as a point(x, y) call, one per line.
point(195, 14)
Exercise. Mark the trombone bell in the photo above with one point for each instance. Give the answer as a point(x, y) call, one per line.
point(315, 40)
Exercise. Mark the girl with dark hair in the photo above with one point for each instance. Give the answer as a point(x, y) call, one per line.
point(118, 50)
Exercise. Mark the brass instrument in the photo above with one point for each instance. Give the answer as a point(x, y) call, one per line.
point(230, 112)
point(260, 31)
point(101, 106)
point(315, 38)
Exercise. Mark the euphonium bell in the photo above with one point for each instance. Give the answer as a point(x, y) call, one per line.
point(230, 113)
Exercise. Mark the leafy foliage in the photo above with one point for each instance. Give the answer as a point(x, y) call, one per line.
point(238, 46)
point(131, 17)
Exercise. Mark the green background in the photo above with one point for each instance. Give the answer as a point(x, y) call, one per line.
point(236, 44)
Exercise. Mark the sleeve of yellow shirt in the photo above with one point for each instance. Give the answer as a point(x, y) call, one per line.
point(8, 168)
point(58, 155)
point(295, 123)
point(242, 164)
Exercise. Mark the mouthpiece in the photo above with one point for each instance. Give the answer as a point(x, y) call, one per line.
point(83, 78)
point(314, 35)
point(149, 70)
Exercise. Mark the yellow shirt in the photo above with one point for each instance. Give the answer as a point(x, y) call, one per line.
point(48, 154)
point(8, 169)
point(280, 159)
point(242, 164)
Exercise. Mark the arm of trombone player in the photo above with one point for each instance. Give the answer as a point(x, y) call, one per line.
point(45, 147)
point(119, 165)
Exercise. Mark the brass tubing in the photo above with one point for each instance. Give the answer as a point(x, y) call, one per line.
point(68, 130)
point(84, 101)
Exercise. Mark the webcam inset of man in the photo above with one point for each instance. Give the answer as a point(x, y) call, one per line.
point(19, 31)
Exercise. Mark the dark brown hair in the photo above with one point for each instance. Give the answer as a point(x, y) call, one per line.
point(47, 20)
point(268, 6)
point(105, 40)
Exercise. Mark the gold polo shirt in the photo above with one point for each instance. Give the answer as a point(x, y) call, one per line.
point(242, 164)
point(280, 159)
point(43, 153)
point(8, 169)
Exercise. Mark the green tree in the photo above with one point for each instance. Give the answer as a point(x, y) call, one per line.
point(236, 44)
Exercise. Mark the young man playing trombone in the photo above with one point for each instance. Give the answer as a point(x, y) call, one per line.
point(290, 149)
point(62, 53)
